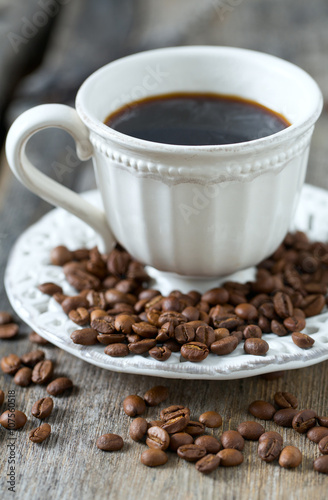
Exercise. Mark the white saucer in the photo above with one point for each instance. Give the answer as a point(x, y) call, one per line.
point(29, 266)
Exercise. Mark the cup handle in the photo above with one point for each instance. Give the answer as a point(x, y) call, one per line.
point(66, 118)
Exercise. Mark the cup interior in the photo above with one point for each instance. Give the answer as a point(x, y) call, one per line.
point(268, 80)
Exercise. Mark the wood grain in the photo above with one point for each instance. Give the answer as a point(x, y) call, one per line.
point(88, 34)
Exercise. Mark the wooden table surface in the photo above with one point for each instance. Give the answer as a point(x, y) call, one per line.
point(84, 35)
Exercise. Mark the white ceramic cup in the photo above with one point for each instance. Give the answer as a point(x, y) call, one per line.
point(201, 211)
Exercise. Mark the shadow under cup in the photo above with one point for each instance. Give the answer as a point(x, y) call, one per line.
point(200, 211)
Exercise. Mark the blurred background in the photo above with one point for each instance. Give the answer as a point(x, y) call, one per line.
point(48, 47)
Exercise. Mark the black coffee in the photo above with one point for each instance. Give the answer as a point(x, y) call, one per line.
point(196, 119)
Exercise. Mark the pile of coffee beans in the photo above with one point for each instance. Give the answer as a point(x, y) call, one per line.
point(175, 431)
point(30, 368)
point(115, 307)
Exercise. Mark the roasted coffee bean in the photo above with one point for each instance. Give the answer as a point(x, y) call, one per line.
point(221, 333)
point(85, 336)
point(117, 350)
point(114, 296)
point(81, 254)
point(285, 400)
point(102, 321)
point(175, 418)
point(191, 313)
point(145, 330)
point(210, 443)
point(250, 430)
point(153, 458)
point(252, 331)
point(13, 420)
point(42, 372)
point(232, 439)
point(23, 377)
point(37, 339)
point(79, 278)
point(290, 457)
point(32, 358)
point(302, 340)
point(284, 417)
point(155, 305)
point(315, 434)
point(138, 429)
point(96, 299)
point(323, 445)
point(260, 299)
point(111, 338)
point(323, 421)
point(156, 395)
point(72, 303)
point(123, 323)
point(40, 434)
point(271, 435)
point(80, 316)
point(118, 262)
point(184, 333)
point(267, 309)
point(142, 346)
point(42, 408)
point(294, 324)
point(230, 322)
point(148, 294)
point(304, 420)
point(179, 439)
point(10, 364)
point(172, 345)
point(50, 288)
point(59, 386)
point(110, 442)
point(2, 397)
point(264, 324)
point(321, 464)
point(216, 296)
point(194, 428)
point(230, 457)
point(160, 353)
point(171, 303)
point(134, 405)
point(269, 449)
point(191, 452)
point(59, 297)
point(155, 423)
point(246, 311)
point(194, 351)
point(256, 347)
point(278, 328)
point(8, 331)
point(60, 255)
point(262, 410)
point(211, 419)
point(208, 464)
point(272, 375)
point(120, 308)
point(157, 438)
point(224, 346)
point(238, 334)
point(166, 332)
point(5, 318)
point(313, 305)
point(283, 305)
point(205, 335)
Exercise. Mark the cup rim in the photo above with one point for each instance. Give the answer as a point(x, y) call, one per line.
point(295, 129)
